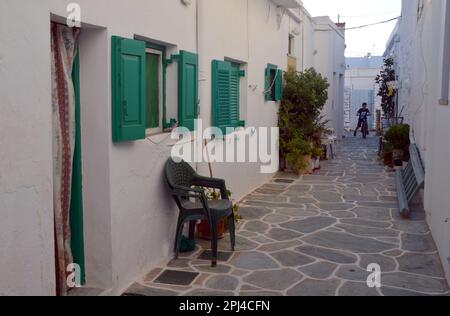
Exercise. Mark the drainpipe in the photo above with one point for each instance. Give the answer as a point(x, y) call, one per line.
point(303, 37)
point(197, 14)
point(202, 63)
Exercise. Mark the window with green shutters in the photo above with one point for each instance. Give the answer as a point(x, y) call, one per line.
point(138, 89)
point(226, 94)
point(273, 83)
point(128, 89)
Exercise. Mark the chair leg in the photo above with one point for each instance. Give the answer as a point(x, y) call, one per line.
point(178, 237)
point(214, 243)
point(232, 232)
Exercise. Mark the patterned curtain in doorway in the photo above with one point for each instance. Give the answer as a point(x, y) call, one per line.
point(63, 48)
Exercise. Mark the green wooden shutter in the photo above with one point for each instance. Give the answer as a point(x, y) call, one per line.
point(268, 95)
point(235, 84)
point(128, 89)
point(188, 89)
point(279, 85)
point(221, 94)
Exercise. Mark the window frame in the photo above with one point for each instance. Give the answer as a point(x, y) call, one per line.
point(270, 86)
point(291, 45)
point(159, 129)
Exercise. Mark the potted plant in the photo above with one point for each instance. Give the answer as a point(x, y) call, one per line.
point(387, 155)
point(299, 156)
point(317, 153)
point(300, 120)
point(203, 226)
point(398, 138)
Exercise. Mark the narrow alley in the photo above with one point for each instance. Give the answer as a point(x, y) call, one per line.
point(315, 235)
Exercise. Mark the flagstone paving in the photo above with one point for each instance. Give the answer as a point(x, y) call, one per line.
point(316, 235)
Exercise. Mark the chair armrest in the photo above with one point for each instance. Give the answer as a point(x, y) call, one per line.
point(212, 183)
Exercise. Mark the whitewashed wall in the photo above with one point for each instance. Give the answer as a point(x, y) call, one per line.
point(128, 227)
point(330, 62)
point(420, 64)
point(129, 217)
point(308, 40)
point(26, 187)
point(255, 36)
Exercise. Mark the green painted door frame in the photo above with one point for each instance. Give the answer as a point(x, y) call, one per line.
point(76, 203)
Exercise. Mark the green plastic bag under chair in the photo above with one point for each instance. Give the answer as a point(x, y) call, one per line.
point(187, 245)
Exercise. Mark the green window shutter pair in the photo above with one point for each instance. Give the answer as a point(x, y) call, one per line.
point(274, 90)
point(129, 95)
point(226, 94)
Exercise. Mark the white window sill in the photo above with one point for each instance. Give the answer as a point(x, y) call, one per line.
point(158, 138)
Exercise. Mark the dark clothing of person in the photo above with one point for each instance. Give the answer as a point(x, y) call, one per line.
point(363, 115)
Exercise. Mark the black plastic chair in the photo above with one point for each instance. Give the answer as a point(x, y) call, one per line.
point(187, 188)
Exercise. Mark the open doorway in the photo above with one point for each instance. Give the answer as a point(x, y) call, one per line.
point(67, 170)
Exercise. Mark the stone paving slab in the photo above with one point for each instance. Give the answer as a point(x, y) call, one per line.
point(316, 235)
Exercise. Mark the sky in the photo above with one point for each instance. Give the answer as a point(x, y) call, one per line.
point(355, 13)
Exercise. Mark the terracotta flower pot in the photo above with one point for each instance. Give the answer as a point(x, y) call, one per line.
point(205, 232)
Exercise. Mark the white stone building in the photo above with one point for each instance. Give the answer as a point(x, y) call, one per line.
point(421, 48)
point(128, 219)
point(330, 61)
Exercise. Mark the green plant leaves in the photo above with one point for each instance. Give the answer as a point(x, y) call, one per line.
point(300, 116)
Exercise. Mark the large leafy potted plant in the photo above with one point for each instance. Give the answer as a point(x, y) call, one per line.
point(300, 121)
point(398, 139)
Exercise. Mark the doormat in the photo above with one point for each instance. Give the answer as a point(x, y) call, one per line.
point(173, 277)
point(288, 181)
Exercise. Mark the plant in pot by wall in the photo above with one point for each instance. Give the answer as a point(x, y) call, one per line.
point(300, 121)
point(298, 155)
point(398, 140)
point(203, 226)
point(317, 153)
point(387, 155)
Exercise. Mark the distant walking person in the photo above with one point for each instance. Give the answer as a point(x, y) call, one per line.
point(363, 114)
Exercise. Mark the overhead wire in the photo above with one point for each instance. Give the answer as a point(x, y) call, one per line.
point(372, 24)
point(368, 15)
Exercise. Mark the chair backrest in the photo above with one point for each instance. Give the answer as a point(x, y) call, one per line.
point(179, 174)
